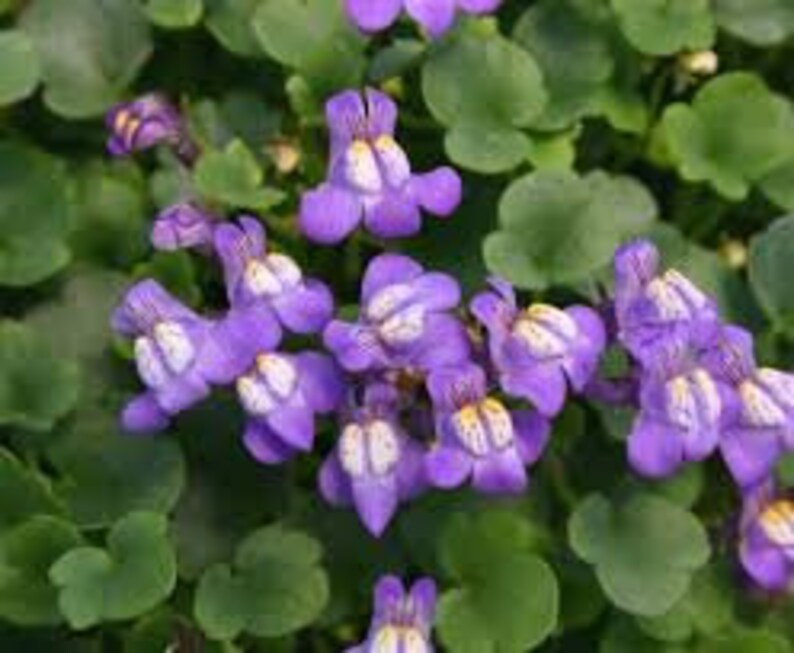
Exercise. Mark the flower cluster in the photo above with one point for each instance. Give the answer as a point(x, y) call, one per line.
point(427, 391)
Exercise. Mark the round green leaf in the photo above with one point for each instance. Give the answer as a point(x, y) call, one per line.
point(778, 186)
point(276, 586)
point(506, 598)
point(488, 150)
point(33, 185)
point(26, 553)
point(761, 22)
point(662, 27)
point(90, 51)
point(771, 256)
point(707, 145)
point(230, 21)
point(19, 67)
point(37, 387)
point(174, 14)
point(644, 550)
point(558, 228)
point(23, 493)
point(134, 573)
point(315, 38)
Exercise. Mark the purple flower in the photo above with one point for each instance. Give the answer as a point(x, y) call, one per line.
point(404, 321)
point(766, 546)
point(478, 437)
point(682, 408)
point(370, 177)
point(403, 620)
point(178, 353)
point(142, 124)
point(374, 465)
point(538, 351)
point(652, 308)
point(182, 225)
point(281, 394)
point(255, 277)
point(436, 16)
point(761, 425)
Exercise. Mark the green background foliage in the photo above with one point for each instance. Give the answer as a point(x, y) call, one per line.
point(575, 124)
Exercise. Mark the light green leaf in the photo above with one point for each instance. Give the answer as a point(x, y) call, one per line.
point(275, 586)
point(26, 553)
point(134, 573)
point(174, 14)
point(771, 258)
point(505, 597)
point(734, 134)
point(231, 23)
point(661, 27)
point(484, 89)
point(23, 493)
point(778, 185)
point(644, 550)
point(233, 177)
point(746, 640)
point(558, 228)
point(33, 185)
point(19, 67)
point(37, 387)
point(90, 51)
point(760, 22)
point(315, 38)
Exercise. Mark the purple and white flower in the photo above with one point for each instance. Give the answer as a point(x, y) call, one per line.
point(179, 354)
point(436, 16)
point(375, 465)
point(281, 393)
point(681, 413)
point(256, 277)
point(404, 321)
point(182, 226)
point(539, 351)
point(478, 437)
point(766, 546)
point(761, 426)
point(653, 308)
point(370, 178)
point(403, 620)
point(143, 123)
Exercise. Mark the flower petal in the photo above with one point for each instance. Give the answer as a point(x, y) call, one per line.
point(438, 192)
point(654, 450)
point(376, 500)
point(334, 483)
point(500, 473)
point(373, 15)
point(386, 270)
point(394, 216)
point(349, 345)
point(445, 343)
point(750, 454)
point(581, 366)
point(532, 434)
point(388, 594)
point(329, 214)
point(479, 6)
point(436, 16)
point(321, 380)
point(144, 415)
point(305, 309)
point(425, 594)
point(447, 466)
point(294, 425)
point(264, 445)
point(542, 384)
point(766, 564)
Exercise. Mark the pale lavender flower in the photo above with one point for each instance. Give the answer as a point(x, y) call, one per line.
point(436, 16)
point(761, 425)
point(404, 320)
point(766, 544)
point(478, 437)
point(256, 277)
point(403, 620)
point(370, 178)
point(539, 351)
point(375, 465)
point(181, 226)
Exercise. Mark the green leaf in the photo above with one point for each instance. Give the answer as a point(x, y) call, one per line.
point(231, 23)
point(558, 228)
point(26, 553)
point(275, 586)
point(37, 387)
point(19, 67)
point(778, 185)
point(233, 177)
point(315, 38)
point(485, 89)
point(771, 257)
point(645, 550)
point(33, 185)
point(745, 640)
point(23, 493)
point(661, 27)
point(174, 14)
point(133, 574)
point(505, 597)
point(760, 22)
point(734, 134)
point(90, 51)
